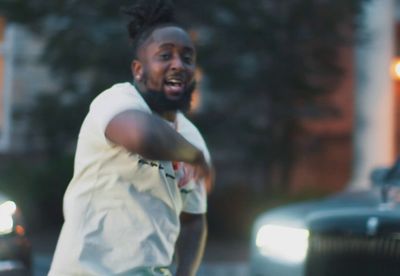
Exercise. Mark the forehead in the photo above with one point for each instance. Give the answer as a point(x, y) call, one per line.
point(169, 36)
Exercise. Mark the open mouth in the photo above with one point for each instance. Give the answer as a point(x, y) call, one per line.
point(174, 87)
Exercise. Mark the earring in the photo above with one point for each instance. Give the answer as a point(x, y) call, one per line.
point(138, 77)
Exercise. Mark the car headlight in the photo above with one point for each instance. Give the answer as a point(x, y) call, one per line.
point(286, 244)
point(7, 209)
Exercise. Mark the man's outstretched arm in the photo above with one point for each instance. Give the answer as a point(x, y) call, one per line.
point(191, 243)
point(151, 137)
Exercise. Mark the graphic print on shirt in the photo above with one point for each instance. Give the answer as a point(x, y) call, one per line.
point(183, 173)
point(157, 165)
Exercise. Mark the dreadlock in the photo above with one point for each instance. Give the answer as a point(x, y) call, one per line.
point(146, 16)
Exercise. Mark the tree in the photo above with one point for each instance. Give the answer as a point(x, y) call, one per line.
point(270, 62)
point(266, 61)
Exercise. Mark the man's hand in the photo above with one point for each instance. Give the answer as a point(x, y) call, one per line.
point(152, 138)
point(203, 171)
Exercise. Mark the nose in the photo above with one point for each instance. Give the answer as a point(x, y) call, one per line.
point(177, 63)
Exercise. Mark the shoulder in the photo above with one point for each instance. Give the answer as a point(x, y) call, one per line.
point(119, 94)
point(191, 133)
point(113, 101)
point(186, 127)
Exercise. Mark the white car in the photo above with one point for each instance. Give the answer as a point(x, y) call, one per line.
point(353, 233)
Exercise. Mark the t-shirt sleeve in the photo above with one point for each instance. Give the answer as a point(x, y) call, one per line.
point(111, 103)
point(194, 201)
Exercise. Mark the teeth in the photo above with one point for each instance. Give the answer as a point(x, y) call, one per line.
point(174, 82)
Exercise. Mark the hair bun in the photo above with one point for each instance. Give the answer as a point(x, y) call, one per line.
point(145, 14)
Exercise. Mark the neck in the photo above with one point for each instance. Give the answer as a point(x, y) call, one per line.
point(139, 86)
point(169, 115)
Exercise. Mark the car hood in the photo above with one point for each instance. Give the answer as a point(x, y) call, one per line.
point(346, 203)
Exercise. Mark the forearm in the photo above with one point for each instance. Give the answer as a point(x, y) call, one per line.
point(151, 137)
point(162, 142)
point(191, 244)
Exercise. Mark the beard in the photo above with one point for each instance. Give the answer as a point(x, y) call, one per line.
point(159, 103)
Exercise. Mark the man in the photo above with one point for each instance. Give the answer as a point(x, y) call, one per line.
point(141, 168)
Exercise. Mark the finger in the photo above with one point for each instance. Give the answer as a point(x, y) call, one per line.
point(201, 173)
point(197, 174)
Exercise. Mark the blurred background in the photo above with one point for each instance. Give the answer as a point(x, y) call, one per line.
point(282, 99)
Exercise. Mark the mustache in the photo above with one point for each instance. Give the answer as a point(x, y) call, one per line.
point(159, 103)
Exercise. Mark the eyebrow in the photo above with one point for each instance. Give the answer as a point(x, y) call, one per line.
point(170, 45)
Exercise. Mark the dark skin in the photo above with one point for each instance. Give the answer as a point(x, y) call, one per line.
point(166, 62)
point(191, 243)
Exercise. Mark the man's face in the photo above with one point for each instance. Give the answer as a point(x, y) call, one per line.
point(166, 64)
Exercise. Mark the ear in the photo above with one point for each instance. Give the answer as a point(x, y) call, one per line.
point(137, 70)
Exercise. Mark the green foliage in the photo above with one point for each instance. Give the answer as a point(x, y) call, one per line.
point(267, 63)
point(86, 49)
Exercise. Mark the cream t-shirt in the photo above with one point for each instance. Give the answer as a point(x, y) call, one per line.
point(122, 211)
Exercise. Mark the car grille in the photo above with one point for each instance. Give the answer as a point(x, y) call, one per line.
point(330, 255)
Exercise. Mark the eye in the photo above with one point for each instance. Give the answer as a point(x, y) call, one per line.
point(188, 59)
point(165, 56)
